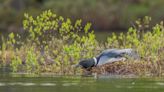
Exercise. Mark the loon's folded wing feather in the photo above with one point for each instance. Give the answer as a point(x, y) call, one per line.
point(109, 56)
point(105, 59)
point(114, 55)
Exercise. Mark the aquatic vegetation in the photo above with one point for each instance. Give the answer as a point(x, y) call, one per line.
point(53, 44)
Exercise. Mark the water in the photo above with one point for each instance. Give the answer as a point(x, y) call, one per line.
point(24, 83)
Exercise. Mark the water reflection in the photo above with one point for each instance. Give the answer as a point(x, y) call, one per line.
point(80, 84)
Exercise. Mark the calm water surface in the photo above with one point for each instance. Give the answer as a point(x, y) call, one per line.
point(10, 83)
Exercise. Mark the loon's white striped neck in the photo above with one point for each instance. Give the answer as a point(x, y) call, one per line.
point(95, 60)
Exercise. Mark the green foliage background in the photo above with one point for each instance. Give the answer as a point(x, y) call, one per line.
point(53, 44)
point(104, 14)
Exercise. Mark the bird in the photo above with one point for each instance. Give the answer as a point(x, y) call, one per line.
point(108, 56)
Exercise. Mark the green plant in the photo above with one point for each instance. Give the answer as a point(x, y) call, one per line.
point(16, 63)
point(147, 43)
point(54, 44)
point(31, 62)
point(59, 38)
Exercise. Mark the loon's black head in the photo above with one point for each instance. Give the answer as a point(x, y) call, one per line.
point(86, 63)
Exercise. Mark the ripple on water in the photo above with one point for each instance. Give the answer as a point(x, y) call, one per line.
point(69, 84)
point(2, 84)
point(160, 83)
point(119, 86)
point(48, 84)
point(135, 86)
point(27, 84)
point(21, 84)
point(15, 83)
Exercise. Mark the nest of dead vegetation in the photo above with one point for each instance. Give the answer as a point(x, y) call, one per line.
point(139, 68)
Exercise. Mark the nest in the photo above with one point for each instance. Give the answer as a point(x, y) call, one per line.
point(126, 68)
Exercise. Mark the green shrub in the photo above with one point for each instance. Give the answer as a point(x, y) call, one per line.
point(54, 43)
point(16, 64)
point(59, 39)
point(31, 62)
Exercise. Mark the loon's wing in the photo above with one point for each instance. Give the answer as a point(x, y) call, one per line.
point(105, 59)
point(109, 56)
point(108, 52)
point(114, 55)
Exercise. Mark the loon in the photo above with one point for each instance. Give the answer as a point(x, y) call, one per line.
point(108, 56)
